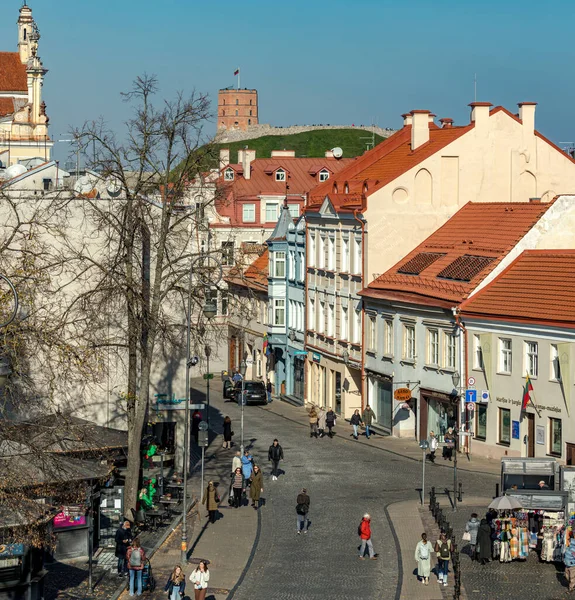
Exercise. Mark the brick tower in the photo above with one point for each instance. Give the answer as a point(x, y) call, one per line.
point(237, 109)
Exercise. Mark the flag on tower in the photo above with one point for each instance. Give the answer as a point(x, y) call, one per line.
point(236, 72)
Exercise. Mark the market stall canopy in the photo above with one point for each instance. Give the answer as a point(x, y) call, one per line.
point(540, 499)
point(505, 503)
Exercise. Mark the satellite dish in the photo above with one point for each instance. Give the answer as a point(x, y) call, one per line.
point(84, 185)
point(337, 152)
point(15, 171)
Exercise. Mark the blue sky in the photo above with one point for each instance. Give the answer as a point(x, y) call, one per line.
point(312, 62)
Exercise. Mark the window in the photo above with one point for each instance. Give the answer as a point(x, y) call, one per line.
point(249, 121)
point(432, 347)
point(477, 354)
point(224, 302)
point(388, 337)
point(409, 342)
point(47, 184)
point(279, 264)
point(450, 351)
point(249, 213)
point(301, 267)
point(280, 175)
point(311, 315)
point(223, 113)
point(200, 213)
point(505, 355)
point(331, 253)
point(357, 327)
point(345, 254)
point(371, 338)
point(250, 112)
point(250, 102)
point(555, 442)
point(224, 101)
point(344, 326)
point(227, 253)
point(504, 426)
point(311, 253)
point(294, 210)
point(357, 256)
point(554, 366)
point(25, 34)
point(531, 359)
point(321, 324)
point(324, 175)
point(237, 113)
point(271, 212)
point(229, 175)
point(291, 266)
point(237, 101)
point(279, 312)
point(480, 421)
point(330, 320)
point(321, 261)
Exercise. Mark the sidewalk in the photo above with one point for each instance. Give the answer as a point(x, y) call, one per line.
point(407, 448)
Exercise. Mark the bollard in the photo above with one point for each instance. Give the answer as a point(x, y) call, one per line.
point(460, 493)
point(497, 490)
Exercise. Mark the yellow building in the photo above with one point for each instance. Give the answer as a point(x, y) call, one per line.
point(23, 119)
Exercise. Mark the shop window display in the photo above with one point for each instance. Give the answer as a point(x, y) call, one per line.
point(440, 417)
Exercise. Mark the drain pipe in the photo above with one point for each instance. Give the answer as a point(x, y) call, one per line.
point(463, 369)
point(361, 220)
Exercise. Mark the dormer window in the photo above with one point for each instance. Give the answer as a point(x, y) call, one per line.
point(280, 175)
point(229, 174)
point(346, 188)
point(324, 175)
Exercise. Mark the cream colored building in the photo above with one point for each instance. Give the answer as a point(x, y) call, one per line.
point(389, 200)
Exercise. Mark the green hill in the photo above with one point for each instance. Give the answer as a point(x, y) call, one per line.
point(311, 144)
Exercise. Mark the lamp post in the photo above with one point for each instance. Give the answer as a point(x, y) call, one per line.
point(243, 369)
point(208, 351)
point(456, 379)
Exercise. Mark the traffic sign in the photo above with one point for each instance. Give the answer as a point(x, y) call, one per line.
point(202, 426)
point(485, 396)
point(471, 382)
point(197, 406)
point(208, 375)
point(470, 406)
point(471, 396)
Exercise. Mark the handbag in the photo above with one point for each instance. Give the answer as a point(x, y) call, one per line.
point(232, 434)
point(466, 536)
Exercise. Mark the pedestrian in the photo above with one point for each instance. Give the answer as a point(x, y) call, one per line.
point(196, 420)
point(321, 421)
point(256, 487)
point(135, 557)
point(228, 433)
point(200, 578)
point(433, 443)
point(123, 540)
point(472, 527)
point(423, 559)
point(238, 487)
point(364, 531)
point(236, 461)
point(313, 421)
point(449, 439)
point(237, 376)
point(269, 390)
point(302, 510)
point(569, 560)
point(443, 550)
point(247, 465)
point(330, 419)
point(484, 541)
point(368, 417)
point(211, 500)
point(355, 422)
point(176, 584)
point(275, 454)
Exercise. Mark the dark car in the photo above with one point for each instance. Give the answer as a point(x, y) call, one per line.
point(255, 392)
point(229, 389)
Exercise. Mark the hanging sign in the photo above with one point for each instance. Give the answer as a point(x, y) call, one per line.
point(402, 394)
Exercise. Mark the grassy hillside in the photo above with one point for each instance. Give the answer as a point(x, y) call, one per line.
point(308, 144)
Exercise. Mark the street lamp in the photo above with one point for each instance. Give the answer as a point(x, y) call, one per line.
point(456, 379)
point(243, 369)
point(210, 309)
point(208, 351)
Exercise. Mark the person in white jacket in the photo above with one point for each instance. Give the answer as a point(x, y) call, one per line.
point(433, 444)
point(199, 578)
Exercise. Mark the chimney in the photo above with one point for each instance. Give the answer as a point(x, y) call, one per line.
point(329, 153)
point(432, 117)
point(419, 128)
point(283, 153)
point(480, 114)
point(245, 158)
point(527, 116)
point(224, 157)
point(446, 123)
point(535, 200)
point(406, 119)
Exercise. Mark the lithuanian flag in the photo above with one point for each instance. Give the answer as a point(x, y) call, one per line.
point(526, 393)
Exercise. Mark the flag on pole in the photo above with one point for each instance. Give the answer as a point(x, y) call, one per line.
point(236, 72)
point(265, 344)
point(527, 393)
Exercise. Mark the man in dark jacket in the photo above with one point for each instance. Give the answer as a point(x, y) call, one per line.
point(275, 454)
point(484, 541)
point(123, 541)
point(302, 510)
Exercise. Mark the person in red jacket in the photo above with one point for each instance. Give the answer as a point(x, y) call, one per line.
point(365, 536)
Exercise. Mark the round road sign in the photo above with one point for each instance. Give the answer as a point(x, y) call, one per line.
point(202, 426)
point(471, 382)
point(470, 406)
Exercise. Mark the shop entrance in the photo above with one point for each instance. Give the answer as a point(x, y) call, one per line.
point(530, 435)
point(441, 415)
point(570, 451)
point(337, 392)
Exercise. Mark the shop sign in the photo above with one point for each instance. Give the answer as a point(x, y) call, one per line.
point(300, 353)
point(71, 516)
point(9, 550)
point(402, 394)
point(316, 357)
point(515, 430)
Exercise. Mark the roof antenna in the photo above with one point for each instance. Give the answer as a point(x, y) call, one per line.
point(475, 87)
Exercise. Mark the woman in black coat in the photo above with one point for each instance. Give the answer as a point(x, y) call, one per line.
point(484, 541)
point(228, 432)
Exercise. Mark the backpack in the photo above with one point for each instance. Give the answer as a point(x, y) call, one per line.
point(424, 551)
point(136, 558)
point(301, 509)
point(444, 550)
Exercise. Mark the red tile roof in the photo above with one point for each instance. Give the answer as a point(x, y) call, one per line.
point(539, 285)
point(6, 106)
point(255, 276)
point(13, 76)
point(453, 260)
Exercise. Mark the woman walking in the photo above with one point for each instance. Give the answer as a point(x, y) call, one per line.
point(256, 487)
point(423, 558)
point(472, 527)
point(135, 557)
point(238, 487)
point(330, 421)
point(449, 444)
point(484, 541)
point(355, 422)
point(443, 550)
point(433, 443)
point(321, 421)
point(200, 578)
point(176, 585)
point(247, 465)
point(211, 500)
point(313, 421)
point(228, 433)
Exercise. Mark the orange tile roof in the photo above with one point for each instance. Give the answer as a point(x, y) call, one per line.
point(255, 276)
point(453, 260)
point(539, 285)
point(13, 76)
point(6, 106)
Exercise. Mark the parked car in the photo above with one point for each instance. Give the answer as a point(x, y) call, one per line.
point(228, 390)
point(255, 392)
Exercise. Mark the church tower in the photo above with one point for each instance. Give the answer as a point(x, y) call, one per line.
point(25, 25)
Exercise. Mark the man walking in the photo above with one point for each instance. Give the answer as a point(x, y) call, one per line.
point(302, 510)
point(123, 541)
point(367, 417)
point(364, 531)
point(269, 391)
point(275, 454)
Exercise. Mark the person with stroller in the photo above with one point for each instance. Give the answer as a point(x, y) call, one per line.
point(135, 558)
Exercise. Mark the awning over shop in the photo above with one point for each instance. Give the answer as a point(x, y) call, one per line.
point(540, 499)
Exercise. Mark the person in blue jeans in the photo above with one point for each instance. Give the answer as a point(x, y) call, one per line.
point(368, 417)
point(443, 550)
point(176, 584)
point(355, 422)
point(135, 558)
